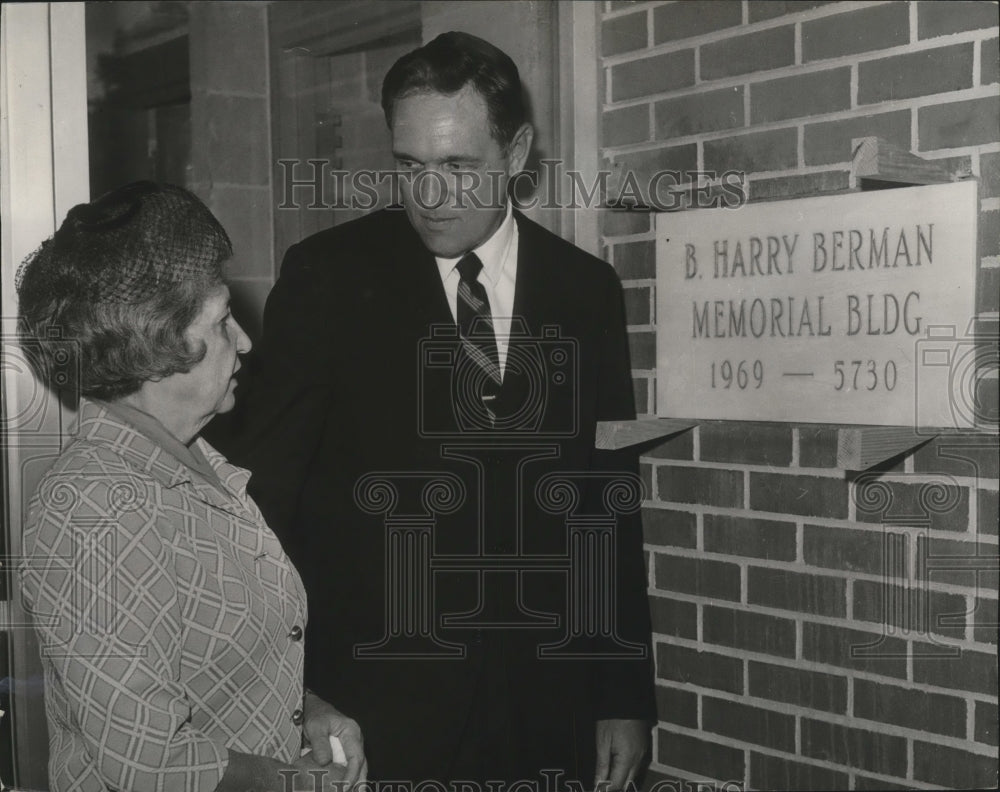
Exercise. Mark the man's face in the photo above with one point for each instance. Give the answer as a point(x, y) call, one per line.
point(454, 172)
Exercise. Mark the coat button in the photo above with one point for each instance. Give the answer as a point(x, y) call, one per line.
point(298, 717)
point(296, 633)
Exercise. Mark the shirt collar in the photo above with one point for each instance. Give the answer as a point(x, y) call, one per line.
point(492, 252)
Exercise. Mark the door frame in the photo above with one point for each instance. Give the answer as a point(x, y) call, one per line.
point(44, 171)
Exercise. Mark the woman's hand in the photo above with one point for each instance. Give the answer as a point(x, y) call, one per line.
point(322, 721)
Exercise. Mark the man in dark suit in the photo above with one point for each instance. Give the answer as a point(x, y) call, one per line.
point(420, 427)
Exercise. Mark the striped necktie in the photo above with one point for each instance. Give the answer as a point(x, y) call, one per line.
point(479, 345)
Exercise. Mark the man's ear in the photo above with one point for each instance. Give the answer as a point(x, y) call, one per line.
point(519, 149)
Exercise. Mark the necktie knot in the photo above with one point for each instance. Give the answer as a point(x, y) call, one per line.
point(469, 267)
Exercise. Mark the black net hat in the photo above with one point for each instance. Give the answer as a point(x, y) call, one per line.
point(127, 246)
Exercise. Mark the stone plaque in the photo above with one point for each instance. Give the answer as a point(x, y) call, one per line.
point(846, 309)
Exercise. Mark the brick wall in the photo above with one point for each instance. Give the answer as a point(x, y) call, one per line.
point(807, 636)
point(231, 167)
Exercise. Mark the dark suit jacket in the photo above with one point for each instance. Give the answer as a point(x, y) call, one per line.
point(350, 379)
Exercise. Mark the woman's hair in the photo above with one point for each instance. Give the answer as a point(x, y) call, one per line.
point(118, 285)
point(449, 63)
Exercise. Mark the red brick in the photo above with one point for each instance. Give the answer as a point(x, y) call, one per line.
point(803, 184)
point(853, 550)
point(625, 222)
point(705, 578)
point(987, 512)
point(909, 707)
point(746, 536)
point(862, 781)
point(743, 629)
point(636, 170)
point(936, 505)
point(915, 74)
point(989, 62)
point(953, 767)
point(669, 527)
point(880, 753)
point(911, 609)
point(638, 310)
point(694, 18)
point(635, 260)
point(803, 688)
point(706, 669)
point(757, 151)
point(777, 8)
point(987, 401)
point(958, 456)
point(989, 233)
point(626, 125)
point(680, 446)
point(674, 617)
point(856, 31)
point(818, 447)
point(642, 350)
point(940, 19)
point(989, 174)
point(751, 443)
point(646, 473)
point(647, 76)
point(677, 706)
point(814, 496)
point(774, 772)
point(830, 141)
point(704, 486)
point(623, 34)
point(861, 651)
point(975, 672)
point(781, 588)
point(986, 722)
point(710, 111)
point(708, 759)
point(640, 390)
point(752, 52)
point(971, 564)
point(984, 620)
point(965, 123)
point(801, 95)
point(748, 723)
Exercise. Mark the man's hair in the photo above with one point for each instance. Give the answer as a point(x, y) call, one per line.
point(449, 63)
point(118, 285)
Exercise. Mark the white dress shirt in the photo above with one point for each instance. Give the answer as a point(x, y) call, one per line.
point(498, 275)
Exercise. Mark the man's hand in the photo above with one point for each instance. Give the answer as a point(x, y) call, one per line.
point(621, 746)
point(323, 720)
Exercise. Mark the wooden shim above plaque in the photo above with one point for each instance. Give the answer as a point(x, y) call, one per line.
point(860, 448)
point(843, 309)
point(614, 435)
point(879, 161)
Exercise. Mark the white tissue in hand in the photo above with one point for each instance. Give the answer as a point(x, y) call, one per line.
point(339, 757)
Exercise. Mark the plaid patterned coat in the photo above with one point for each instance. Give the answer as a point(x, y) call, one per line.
point(169, 617)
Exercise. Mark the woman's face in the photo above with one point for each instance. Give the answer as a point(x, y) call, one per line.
point(208, 388)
